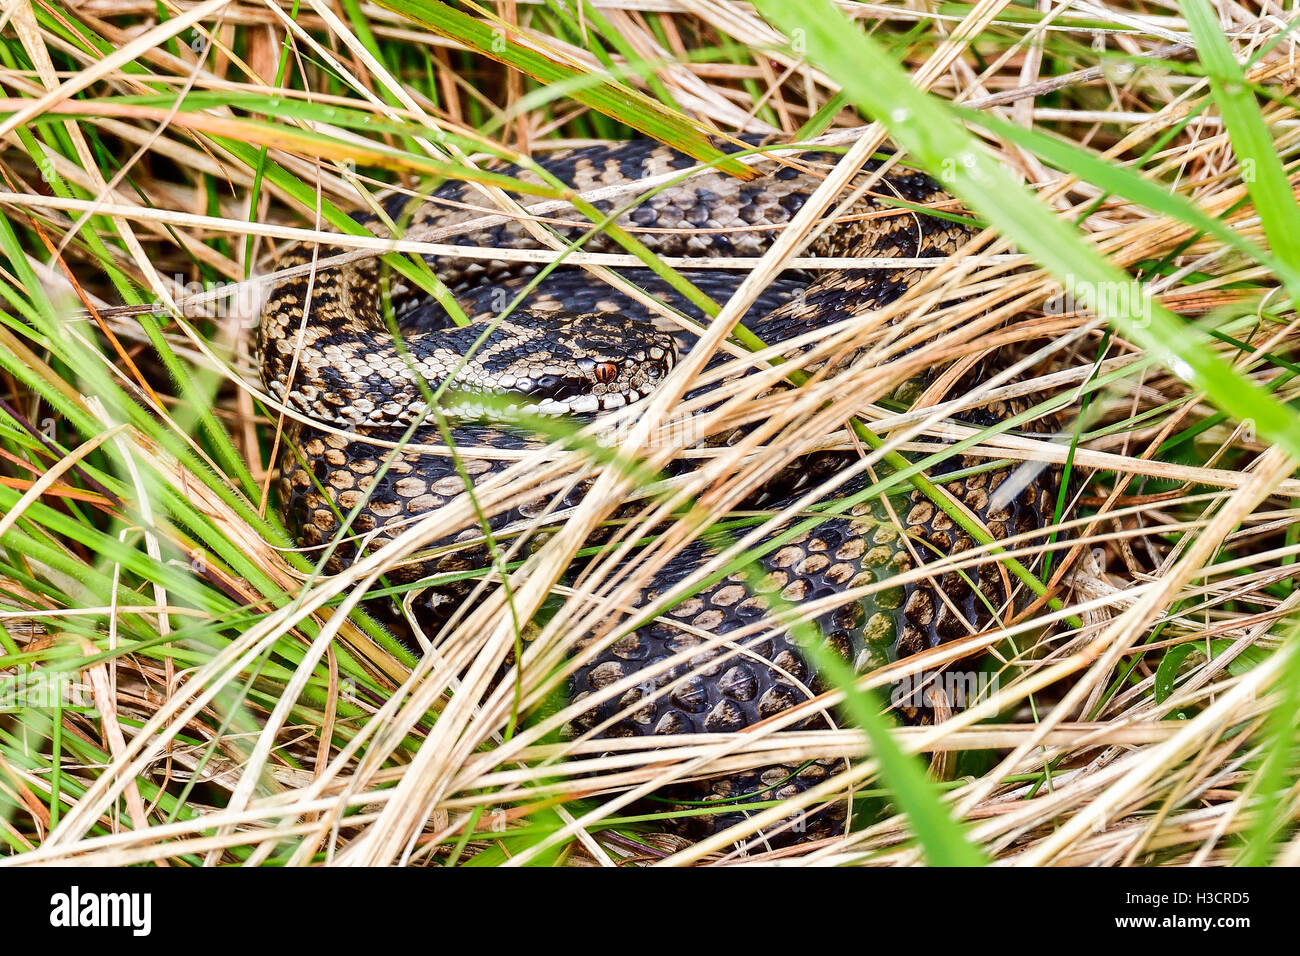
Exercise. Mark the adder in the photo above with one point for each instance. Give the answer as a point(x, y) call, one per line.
point(578, 348)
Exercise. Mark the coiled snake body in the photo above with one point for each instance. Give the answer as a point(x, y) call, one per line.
point(577, 346)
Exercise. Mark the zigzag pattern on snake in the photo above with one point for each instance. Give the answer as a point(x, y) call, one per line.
point(579, 347)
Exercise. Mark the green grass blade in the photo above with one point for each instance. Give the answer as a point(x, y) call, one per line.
point(1262, 171)
point(619, 102)
point(922, 125)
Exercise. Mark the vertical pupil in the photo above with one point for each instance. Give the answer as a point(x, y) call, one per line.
point(605, 372)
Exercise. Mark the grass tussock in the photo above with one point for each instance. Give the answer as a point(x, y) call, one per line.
point(182, 686)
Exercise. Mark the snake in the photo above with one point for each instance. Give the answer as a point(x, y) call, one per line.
point(361, 353)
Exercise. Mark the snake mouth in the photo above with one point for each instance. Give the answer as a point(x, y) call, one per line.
point(505, 406)
point(588, 388)
point(585, 367)
point(585, 403)
point(551, 396)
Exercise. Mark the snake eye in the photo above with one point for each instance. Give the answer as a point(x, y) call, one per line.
point(605, 372)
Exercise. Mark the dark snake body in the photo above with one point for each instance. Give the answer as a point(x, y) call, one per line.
point(721, 689)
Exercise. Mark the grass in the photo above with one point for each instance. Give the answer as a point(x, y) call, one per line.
point(179, 685)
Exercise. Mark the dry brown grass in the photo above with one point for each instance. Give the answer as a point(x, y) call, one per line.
point(1076, 764)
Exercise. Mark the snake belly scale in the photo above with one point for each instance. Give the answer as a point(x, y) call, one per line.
point(577, 347)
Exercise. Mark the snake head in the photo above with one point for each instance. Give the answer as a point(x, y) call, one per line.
point(571, 365)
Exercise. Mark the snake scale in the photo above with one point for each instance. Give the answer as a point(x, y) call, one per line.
point(578, 347)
